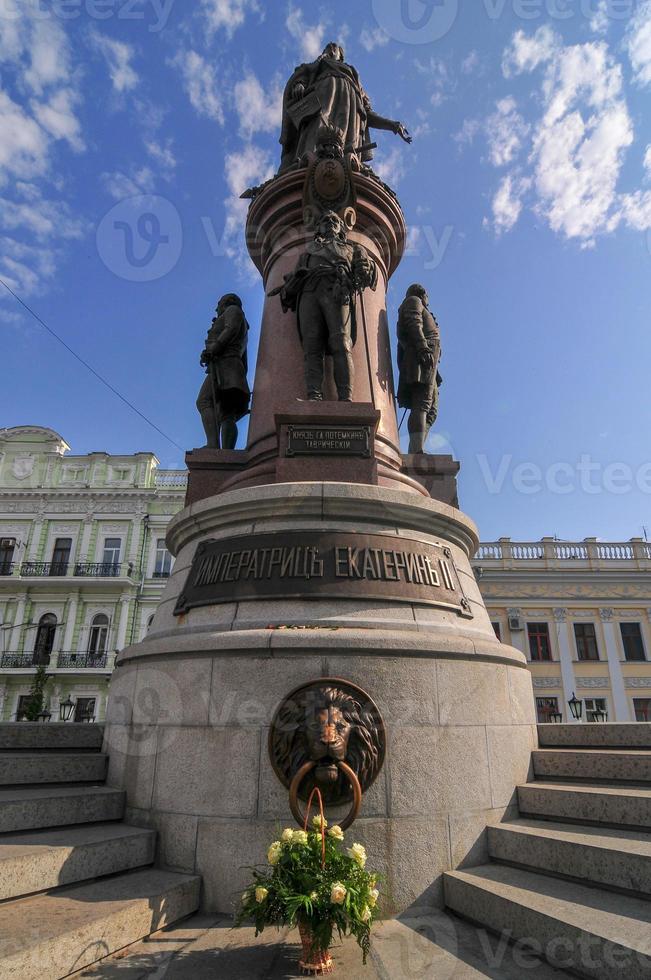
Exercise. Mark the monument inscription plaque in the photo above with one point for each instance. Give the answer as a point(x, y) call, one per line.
point(323, 564)
point(328, 440)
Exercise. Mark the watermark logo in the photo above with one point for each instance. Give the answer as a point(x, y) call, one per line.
point(416, 21)
point(141, 238)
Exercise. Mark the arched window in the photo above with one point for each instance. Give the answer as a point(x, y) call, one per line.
point(98, 636)
point(47, 627)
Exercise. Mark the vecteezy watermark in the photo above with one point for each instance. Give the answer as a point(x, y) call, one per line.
point(141, 238)
point(586, 475)
point(425, 21)
point(155, 12)
point(416, 21)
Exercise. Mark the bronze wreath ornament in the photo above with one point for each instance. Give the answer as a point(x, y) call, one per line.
point(327, 734)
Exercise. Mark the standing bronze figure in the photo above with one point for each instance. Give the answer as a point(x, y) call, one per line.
point(322, 291)
point(419, 353)
point(328, 92)
point(225, 394)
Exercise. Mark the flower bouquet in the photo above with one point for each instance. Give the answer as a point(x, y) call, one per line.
point(317, 884)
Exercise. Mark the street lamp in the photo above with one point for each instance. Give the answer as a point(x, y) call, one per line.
point(576, 707)
point(66, 708)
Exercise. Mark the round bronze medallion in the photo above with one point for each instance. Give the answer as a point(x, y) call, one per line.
point(330, 734)
point(330, 180)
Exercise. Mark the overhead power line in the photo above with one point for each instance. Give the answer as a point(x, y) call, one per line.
point(89, 367)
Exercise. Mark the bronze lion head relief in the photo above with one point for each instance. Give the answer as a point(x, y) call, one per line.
point(327, 729)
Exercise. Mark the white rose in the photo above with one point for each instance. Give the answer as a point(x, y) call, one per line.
point(261, 894)
point(358, 853)
point(366, 914)
point(274, 852)
point(316, 822)
point(336, 832)
point(299, 837)
point(314, 896)
point(287, 834)
point(373, 897)
point(337, 894)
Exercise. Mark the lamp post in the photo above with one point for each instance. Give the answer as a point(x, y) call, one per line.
point(66, 708)
point(576, 707)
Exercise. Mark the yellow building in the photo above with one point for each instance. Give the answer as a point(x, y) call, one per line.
point(581, 614)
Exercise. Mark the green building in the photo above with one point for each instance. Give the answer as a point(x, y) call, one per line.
point(83, 563)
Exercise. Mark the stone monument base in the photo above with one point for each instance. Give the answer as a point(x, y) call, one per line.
point(190, 707)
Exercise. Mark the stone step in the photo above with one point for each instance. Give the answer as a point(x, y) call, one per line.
point(628, 806)
point(46, 937)
point(616, 858)
point(613, 735)
point(607, 764)
point(34, 735)
point(34, 807)
point(52, 767)
point(43, 859)
point(590, 931)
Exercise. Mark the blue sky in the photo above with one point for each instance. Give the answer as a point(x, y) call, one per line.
point(527, 190)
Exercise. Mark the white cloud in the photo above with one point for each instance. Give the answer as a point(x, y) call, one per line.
point(259, 110)
point(373, 37)
point(638, 43)
point(58, 118)
point(506, 131)
point(163, 155)
point(577, 145)
point(391, 166)
point(466, 135)
point(200, 84)
point(243, 168)
point(470, 62)
point(635, 210)
point(118, 56)
point(121, 185)
point(310, 37)
point(647, 160)
point(507, 203)
point(23, 144)
point(525, 53)
point(599, 19)
point(227, 15)
point(45, 219)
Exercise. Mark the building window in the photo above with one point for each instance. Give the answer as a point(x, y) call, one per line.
point(498, 630)
point(539, 645)
point(642, 708)
point(594, 705)
point(632, 640)
point(150, 621)
point(47, 627)
point(98, 636)
point(111, 554)
point(545, 707)
point(586, 641)
point(85, 709)
point(163, 565)
point(7, 547)
point(61, 556)
point(23, 705)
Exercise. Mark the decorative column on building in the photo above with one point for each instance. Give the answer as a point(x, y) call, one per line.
point(620, 701)
point(14, 633)
point(518, 637)
point(85, 538)
point(123, 621)
point(567, 667)
point(71, 619)
point(35, 541)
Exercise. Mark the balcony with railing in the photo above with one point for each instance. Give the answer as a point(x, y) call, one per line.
point(82, 661)
point(171, 479)
point(62, 660)
point(51, 569)
point(550, 553)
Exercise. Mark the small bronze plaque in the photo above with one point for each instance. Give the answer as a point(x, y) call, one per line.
point(323, 565)
point(329, 440)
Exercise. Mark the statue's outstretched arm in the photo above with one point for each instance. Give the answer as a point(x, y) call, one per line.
point(376, 121)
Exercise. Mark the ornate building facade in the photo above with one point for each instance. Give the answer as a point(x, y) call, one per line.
point(581, 614)
point(82, 564)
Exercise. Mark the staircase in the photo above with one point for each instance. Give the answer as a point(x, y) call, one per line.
point(572, 875)
point(76, 883)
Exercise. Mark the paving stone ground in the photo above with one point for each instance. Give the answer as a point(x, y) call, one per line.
point(434, 946)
